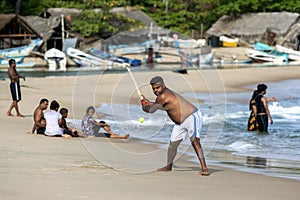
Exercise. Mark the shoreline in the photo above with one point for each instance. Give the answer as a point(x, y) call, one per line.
point(33, 166)
point(224, 159)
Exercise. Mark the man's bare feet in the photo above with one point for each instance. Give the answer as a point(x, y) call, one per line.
point(20, 115)
point(126, 136)
point(165, 169)
point(9, 114)
point(117, 136)
point(204, 173)
point(66, 136)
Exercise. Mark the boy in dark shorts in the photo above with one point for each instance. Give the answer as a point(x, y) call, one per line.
point(68, 130)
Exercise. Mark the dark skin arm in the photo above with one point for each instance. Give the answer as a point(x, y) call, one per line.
point(38, 120)
point(265, 103)
point(14, 75)
point(254, 109)
point(151, 107)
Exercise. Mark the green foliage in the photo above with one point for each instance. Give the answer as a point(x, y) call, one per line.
point(7, 6)
point(101, 24)
point(178, 15)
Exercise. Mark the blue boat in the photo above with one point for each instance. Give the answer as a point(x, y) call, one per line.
point(119, 59)
point(18, 53)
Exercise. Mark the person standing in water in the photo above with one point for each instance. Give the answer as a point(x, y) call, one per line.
point(262, 111)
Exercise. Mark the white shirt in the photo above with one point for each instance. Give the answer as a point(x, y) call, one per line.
point(52, 127)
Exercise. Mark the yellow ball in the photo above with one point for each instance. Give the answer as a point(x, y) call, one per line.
point(141, 119)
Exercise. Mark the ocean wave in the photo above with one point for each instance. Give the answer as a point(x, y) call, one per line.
point(242, 147)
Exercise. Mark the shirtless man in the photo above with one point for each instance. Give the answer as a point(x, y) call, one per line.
point(187, 119)
point(38, 117)
point(14, 88)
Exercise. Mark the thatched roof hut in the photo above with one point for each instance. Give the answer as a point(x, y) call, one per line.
point(15, 31)
point(251, 27)
point(57, 12)
point(43, 26)
point(128, 12)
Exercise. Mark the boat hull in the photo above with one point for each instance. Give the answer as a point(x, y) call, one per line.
point(18, 53)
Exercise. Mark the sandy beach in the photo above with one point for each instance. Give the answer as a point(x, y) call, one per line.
point(40, 167)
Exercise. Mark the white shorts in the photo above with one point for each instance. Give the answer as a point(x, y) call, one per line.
point(191, 125)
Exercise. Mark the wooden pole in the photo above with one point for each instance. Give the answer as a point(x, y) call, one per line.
point(62, 31)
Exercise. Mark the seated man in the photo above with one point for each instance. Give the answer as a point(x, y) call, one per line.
point(38, 117)
point(53, 122)
point(91, 127)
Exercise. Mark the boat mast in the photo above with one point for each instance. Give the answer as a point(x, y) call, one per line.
point(62, 31)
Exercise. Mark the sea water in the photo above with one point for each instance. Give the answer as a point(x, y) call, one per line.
point(224, 136)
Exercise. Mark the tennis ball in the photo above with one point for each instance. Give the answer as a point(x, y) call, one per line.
point(141, 119)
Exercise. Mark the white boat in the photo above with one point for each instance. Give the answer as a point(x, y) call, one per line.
point(292, 54)
point(18, 53)
point(229, 42)
point(83, 59)
point(129, 49)
point(56, 59)
point(261, 57)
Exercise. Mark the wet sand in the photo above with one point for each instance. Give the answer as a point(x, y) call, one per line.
point(35, 167)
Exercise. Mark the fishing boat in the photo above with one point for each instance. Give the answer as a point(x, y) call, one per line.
point(117, 60)
point(229, 42)
point(56, 59)
point(83, 59)
point(24, 65)
point(121, 49)
point(18, 53)
point(293, 55)
point(262, 57)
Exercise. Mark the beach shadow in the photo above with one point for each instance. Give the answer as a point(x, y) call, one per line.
point(197, 169)
point(30, 87)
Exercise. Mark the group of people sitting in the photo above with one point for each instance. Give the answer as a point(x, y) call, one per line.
point(53, 123)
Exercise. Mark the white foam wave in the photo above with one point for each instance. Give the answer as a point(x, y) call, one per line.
point(285, 112)
point(241, 147)
point(213, 118)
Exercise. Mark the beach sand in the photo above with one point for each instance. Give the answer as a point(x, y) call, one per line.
point(40, 167)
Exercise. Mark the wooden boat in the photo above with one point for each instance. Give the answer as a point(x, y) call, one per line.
point(280, 51)
point(119, 60)
point(83, 59)
point(56, 59)
point(18, 53)
point(261, 57)
point(19, 65)
point(259, 46)
point(293, 55)
point(229, 42)
point(132, 48)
